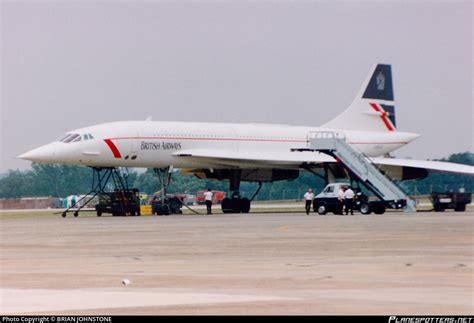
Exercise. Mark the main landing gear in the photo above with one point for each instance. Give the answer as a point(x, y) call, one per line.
point(236, 203)
point(161, 206)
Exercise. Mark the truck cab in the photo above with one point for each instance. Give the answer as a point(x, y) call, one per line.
point(327, 200)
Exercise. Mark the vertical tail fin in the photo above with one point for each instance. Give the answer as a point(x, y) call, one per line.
point(373, 108)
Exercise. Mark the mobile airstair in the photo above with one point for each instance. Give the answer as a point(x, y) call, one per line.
point(361, 168)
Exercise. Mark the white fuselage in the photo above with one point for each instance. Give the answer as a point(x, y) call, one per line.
point(152, 144)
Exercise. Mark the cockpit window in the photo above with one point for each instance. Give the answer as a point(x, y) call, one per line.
point(75, 137)
point(71, 138)
point(64, 137)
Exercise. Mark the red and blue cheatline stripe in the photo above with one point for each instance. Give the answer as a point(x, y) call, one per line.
point(384, 115)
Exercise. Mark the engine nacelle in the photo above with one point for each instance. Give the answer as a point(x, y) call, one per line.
point(404, 173)
point(249, 175)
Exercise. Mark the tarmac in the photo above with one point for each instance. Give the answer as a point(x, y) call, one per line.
point(267, 263)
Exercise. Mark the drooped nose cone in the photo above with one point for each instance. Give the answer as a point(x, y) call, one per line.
point(43, 154)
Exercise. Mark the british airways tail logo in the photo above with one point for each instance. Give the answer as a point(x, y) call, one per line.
point(387, 114)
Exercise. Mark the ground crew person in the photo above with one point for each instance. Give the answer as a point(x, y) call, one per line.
point(340, 197)
point(349, 197)
point(308, 197)
point(208, 198)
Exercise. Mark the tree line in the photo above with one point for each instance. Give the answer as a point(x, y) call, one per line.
point(64, 180)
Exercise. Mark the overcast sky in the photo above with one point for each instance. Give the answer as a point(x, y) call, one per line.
point(69, 65)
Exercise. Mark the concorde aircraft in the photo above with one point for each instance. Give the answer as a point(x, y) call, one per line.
point(248, 152)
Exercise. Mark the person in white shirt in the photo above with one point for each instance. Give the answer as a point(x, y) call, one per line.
point(208, 198)
point(349, 196)
point(340, 197)
point(308, 197)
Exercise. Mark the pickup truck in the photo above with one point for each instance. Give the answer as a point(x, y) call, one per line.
point(450, 200)
point(327, 201)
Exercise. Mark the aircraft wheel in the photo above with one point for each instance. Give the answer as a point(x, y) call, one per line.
point(365, 208)
point(99, 213)
point(76, 214)
point(63, 214)
point(245, 205)
point(157, 210)
point(226, 205)
point(236, 205)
